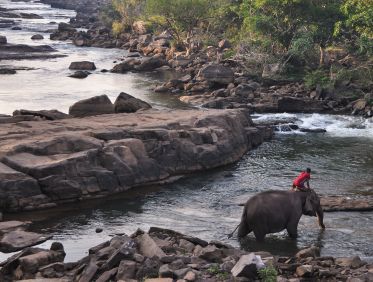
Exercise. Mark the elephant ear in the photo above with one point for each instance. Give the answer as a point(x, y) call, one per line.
point(309, 205)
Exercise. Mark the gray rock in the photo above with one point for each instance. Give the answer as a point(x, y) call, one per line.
point(217, 74)
point(97, 105)
point(308, 252)
point(18, 240)
point(3, 39)
point(83, 65)
point(149, 269)
point(80, 74)
point(107, 275)
point(126, 103)
point(37, 37)
point(297, 105)
point(126, 270)
point(7, 71)
point(45, 114)
point(126, 66)
point(148, 248)
point(211, 253)
point(89, 272)
point(304, 271)
point(352, 262)
point(125, 252)
point(166, 272)
point(152, 63)
point(245, 267)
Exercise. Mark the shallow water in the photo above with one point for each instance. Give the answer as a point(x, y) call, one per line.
point(205, 204)
point(47, 85)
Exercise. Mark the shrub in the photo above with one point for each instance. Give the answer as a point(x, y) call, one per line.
point(268, 274)
point(317, 77)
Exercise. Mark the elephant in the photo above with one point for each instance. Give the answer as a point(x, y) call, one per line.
point(274, 211)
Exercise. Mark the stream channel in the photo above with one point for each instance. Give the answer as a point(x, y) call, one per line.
point(204, 204)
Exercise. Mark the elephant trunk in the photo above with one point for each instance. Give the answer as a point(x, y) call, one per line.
point(320, 216)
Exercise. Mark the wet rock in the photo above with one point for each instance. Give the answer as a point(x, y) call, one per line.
point(18, 240)
point(44, 114)
point(3, 39)
point(337, 203)
point(98, 105)
point(313, 130)
point(126, 252)
point(126, 103)
point(83, 65)
point(217, 74)
point(126, 66)
point(22, 51)
point(7, 71)
point(37, 37)
point(80, 74)
point(8, 226)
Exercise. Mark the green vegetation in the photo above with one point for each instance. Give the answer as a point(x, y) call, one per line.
point(301, 35)
point(268, 274)
point(219, 274)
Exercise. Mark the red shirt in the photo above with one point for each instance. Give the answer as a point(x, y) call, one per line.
point(303, 177)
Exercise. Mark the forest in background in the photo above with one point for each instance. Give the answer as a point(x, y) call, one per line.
point(325, 43)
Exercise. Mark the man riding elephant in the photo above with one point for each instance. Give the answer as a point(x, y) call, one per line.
point(302, 179)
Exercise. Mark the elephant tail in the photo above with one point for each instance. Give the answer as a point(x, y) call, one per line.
point(243, 219)
point(231, 234)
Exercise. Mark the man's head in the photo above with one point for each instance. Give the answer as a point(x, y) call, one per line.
point(308, 170)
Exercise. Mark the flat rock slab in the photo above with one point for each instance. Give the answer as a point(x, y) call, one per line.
point(7, 226)
point(18, 240)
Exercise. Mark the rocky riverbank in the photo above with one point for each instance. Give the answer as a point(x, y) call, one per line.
point(163, 255)
point(48, 163)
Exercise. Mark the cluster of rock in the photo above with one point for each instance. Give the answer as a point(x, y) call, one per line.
point(43, 164)
point(14, 237)
point(163, 255)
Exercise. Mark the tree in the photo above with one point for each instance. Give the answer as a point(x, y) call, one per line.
point(128, 10)
point(180, 17)
point(359, 16)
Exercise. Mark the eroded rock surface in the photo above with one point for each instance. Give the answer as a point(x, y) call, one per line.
point(46, 163)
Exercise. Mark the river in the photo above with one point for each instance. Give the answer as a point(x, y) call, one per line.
point(204, 204)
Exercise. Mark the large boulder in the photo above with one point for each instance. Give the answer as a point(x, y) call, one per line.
point(3, 39)
point(98, 105)
point(126, 103)
point(152, 63)
point(217, 74)
point(83, 65)
point(298, 105)
point(37, 37)
point(125, 66)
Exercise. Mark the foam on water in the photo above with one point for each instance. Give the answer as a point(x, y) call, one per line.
point(335, 125)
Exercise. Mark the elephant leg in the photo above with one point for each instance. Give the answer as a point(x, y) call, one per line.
point(243, 230)
point(293, 233)
point(292, 228)
point(259, 235)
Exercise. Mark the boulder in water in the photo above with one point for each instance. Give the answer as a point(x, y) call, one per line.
point(44, 114)
point(80, 74)
point(37, 37)
point(83, 65)
point(97, 105)
point(149, 64)
point(3, 39)
point(126, 103)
